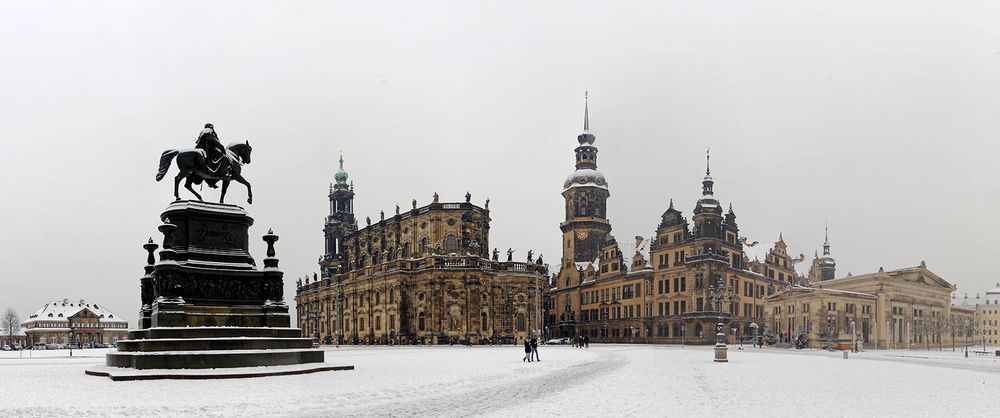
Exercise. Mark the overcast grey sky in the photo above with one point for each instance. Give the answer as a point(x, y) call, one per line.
point(877, 117)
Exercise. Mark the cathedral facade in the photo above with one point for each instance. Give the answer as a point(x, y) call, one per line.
point(424, 275)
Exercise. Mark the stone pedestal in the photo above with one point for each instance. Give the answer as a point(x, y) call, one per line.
point(721, 351)
point(206, 304)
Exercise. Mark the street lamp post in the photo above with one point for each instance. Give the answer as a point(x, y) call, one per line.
point(718, 294)
point(755, 328)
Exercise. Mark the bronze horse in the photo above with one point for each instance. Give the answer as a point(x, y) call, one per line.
point(193, 165)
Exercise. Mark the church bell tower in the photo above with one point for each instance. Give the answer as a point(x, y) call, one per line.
point(340, 222)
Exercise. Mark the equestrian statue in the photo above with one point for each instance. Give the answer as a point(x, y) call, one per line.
point(208, 162)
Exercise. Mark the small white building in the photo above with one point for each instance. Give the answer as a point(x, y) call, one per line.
point(64, 322)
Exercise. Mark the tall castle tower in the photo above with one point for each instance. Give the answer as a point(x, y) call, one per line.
point(340, 222)
point(586, 194)
point(827, 265)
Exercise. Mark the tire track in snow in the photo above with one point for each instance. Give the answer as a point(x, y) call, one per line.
point(493, 398)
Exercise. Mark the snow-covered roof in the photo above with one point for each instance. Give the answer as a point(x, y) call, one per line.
point(63, 309)
point(585, 177)
point(992, 297)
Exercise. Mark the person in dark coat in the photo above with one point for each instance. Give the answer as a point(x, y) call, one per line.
point(527, 351)
point(534, 348)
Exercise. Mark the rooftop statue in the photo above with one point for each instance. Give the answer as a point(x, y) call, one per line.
point(208, 162)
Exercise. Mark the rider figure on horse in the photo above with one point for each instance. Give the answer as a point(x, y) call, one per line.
point(215, 153)
point(208, 140)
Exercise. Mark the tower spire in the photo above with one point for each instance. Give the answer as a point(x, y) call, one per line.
point(826, 239)
point(586, 111)
point(708, 162)
point(706, 183)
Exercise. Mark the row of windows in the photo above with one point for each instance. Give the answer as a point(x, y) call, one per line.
point(663, 286)
point(627, 291)
point(664, 259)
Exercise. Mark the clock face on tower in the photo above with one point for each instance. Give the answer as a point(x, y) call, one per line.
point(582, 235)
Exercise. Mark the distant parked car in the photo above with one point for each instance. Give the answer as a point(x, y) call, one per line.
point(38, 346)
point(50, 346)
point(18, 347)
point(88, 345)
point(6, 347)
point(72, 346)
point(558, 341)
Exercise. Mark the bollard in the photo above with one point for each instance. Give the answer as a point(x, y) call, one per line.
point(845, 355)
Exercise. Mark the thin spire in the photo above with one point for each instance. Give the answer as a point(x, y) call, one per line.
point(671, 203)
point(586, 111)
point(826, 239)
point(708, 161)
point(342, 161)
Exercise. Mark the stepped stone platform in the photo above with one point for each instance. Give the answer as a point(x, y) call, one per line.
point(206, 305)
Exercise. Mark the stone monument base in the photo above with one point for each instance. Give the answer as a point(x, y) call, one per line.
point(213, 347)
point(206, 305)
point(119, 374)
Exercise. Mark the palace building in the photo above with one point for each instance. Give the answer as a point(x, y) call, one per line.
point(675, 287)
point(421, 275)
point(905, 308)
point(64, 322)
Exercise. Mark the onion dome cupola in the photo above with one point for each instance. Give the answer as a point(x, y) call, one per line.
point(341, 176)
point(708, 212)
point(708, 204)
point(341, 221)
point(586, 173)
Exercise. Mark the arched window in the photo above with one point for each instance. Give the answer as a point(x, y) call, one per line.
point(420, 321)
point(378, 322)
point(406, 250)
point(697, 330)
point(392, 296)
point(483, 319)
point(520, 322)
point(451, 244)
point(378, 298)
point(423, 246)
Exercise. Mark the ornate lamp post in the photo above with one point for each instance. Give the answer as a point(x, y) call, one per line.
point(718, 294)
point(756, 332)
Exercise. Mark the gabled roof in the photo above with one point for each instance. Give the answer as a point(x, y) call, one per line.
point(923, 275)
point(818, 290)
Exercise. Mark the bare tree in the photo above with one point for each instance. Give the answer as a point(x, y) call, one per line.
point(9, 324)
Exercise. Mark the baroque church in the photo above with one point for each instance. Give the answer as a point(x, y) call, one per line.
point(422, 275)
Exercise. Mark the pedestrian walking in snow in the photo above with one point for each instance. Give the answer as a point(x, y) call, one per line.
point(534, 348)
point(527, 351)
point(586, 341)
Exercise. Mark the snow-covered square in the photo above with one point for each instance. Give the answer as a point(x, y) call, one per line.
point(643, 380)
